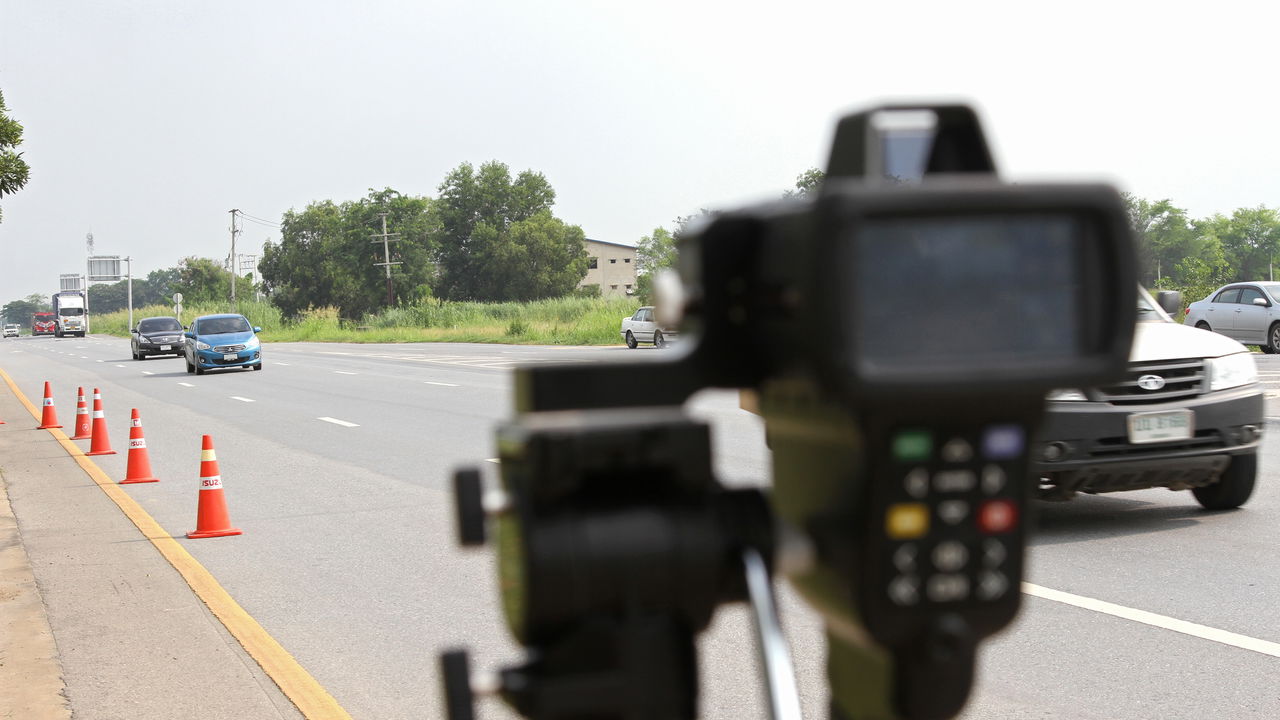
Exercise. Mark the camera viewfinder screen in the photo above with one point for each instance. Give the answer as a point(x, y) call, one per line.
point(967, 291)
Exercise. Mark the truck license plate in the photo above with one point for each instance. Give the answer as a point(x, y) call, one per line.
point(1161, 426)
point(230, 357)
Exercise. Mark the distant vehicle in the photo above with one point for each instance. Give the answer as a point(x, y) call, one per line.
point(44, 323)
point(642, 327)
point(1189, 415)
point(222, 341)
point(11, 329)
point(156, 336)
point(70, 313)
point(1245, 311)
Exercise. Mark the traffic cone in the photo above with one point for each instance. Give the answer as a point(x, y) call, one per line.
point(100, 444)
point(84, 430)
point(139, 469)
point(50, 417)
point(211, 511)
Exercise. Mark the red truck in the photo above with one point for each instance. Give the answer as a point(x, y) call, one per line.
point(44, 323)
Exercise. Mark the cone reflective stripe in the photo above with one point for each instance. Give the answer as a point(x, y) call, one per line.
point(139, 470)
point(100, 444)
point(84, 428)
point(49, 418)
point(211, 512)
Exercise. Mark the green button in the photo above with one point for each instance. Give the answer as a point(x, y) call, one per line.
point(912, 446)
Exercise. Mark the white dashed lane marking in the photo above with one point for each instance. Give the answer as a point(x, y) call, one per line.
point(336, 421)
point(1203, 632)
point(242, 399)
point(428, 382)
point(186, 384)
point(344, 372)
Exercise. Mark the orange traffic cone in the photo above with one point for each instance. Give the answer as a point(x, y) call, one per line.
point(100, 444)
point(84, 430)
point(211, 511)
point(50, 417)
point(139, 469)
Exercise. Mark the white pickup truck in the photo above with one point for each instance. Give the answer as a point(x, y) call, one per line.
point(642, 327)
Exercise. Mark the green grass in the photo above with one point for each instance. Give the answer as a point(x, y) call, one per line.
point(563, 321)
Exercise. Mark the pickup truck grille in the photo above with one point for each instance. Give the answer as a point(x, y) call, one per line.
point(1182, 379)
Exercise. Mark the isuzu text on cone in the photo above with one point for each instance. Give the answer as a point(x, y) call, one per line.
point(211, 511)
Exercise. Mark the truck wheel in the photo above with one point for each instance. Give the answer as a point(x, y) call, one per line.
point(658, 340)
point(1233, 488)
point(631, 340)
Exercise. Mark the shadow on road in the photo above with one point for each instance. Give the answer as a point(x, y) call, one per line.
point(1092, 518)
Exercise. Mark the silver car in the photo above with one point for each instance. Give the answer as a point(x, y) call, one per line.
point(1246, 311)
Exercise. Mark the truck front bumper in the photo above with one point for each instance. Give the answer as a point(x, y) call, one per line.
point(1085, 447)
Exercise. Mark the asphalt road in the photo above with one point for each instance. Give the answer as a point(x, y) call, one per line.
point(336, 462)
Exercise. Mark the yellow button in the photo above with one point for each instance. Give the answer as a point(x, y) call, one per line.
point(906, 521)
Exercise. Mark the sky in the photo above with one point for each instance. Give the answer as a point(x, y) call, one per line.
point(146, 121)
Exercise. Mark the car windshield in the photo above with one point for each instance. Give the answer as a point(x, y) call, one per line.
point(71, 312)
point(217, 326)
point(152, 325)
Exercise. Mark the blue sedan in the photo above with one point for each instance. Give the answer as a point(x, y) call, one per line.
point(222, 341)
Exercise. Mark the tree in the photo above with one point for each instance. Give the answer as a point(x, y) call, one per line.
point(1166, 238)
point(807, 184)
point(14, 171)
point(156, 288)
point(327, 255)
point(491, 230)
point(1249, 240)
point(20, 311)
point(654, 253)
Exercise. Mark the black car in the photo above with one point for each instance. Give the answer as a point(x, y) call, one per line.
point(156, 336)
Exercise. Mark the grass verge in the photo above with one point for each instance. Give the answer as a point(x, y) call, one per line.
point(563, 321)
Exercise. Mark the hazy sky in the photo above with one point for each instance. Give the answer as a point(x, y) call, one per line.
point(147, 120)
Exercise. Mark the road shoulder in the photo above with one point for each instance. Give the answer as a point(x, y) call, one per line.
point(128, 634)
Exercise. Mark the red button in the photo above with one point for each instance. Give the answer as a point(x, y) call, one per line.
point(997, 516)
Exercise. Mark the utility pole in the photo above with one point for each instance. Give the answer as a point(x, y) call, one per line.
point(386, 254)
point(234, 264)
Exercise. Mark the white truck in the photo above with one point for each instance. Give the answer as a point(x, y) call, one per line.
point(69, 309)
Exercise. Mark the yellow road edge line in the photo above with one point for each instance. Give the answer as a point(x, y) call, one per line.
point(311, 699)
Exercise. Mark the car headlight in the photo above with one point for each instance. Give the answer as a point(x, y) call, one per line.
point(1230, 371)
point(202, 345)
point(1066, 395)
point(252, 343)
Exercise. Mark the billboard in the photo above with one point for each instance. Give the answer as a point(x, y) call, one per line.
point(70, 282)
point(104, 268)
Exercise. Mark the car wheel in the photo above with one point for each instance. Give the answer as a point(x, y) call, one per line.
point(631, 340)
point(257, 366)
point(1273, 338)
point(199, 370)
point(190, 368)
point(1233, 488)
point(1204, 326)
point(658, 340)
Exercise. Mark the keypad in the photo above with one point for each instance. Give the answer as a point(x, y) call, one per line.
point(952, 518)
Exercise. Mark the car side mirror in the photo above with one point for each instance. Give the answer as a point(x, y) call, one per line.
point(257, 329)
point(133, 331)
point(189, 334)
point(1170, 301)
point(1261, 301)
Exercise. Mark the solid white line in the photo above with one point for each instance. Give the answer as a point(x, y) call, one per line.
point(335, 421)
point(186, 384)
point(428, 382)
point(344, 372)
point(242, 399)
point(1203, 632)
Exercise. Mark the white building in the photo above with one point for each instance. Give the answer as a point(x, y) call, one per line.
point(612, 267)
